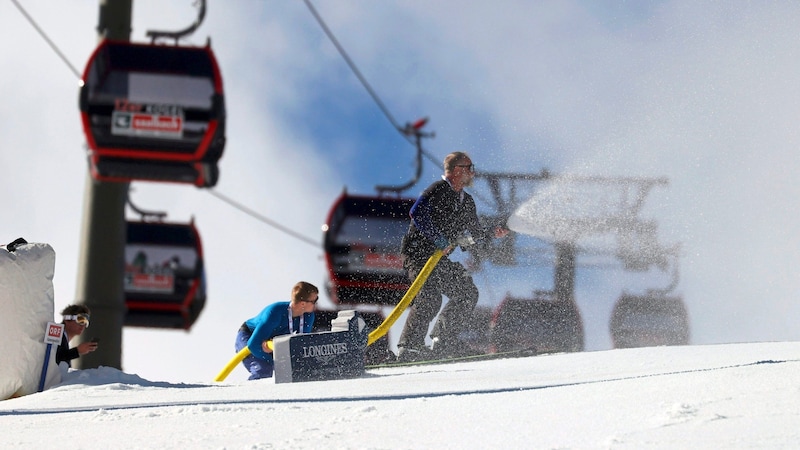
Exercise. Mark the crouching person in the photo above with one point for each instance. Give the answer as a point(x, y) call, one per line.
point(292, 317)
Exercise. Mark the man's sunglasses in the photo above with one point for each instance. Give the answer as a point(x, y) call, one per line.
point(82, 319)
point(470, 167)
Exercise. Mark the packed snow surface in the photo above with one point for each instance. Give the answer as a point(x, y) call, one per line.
point(709, 396)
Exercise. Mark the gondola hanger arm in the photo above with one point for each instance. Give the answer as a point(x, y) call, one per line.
point(158, 216)
point(411, 130)
point(201, 14)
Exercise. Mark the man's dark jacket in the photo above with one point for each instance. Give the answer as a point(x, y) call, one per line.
point(439, 216)
point(64, 353)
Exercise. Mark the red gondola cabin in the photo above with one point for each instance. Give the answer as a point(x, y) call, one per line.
point(164, 280)
point(153, 112)
point(362, 249)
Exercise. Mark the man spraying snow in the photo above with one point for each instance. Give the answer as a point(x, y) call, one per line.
point(443, 217)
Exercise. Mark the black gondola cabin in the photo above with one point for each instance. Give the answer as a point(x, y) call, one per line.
point(164, 280)
point(540, 322)
point(649, 320)
point(153, 112)
point(362, 249)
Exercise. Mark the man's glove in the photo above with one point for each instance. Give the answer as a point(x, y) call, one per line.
point(465, 240)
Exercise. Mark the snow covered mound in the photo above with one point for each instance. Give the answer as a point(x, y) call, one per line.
point(713, 396)
point(26, 296)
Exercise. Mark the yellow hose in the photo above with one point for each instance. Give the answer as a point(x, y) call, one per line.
point(234, 361)
point(398, 310)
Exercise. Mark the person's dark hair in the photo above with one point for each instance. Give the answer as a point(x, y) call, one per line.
point(303, 290)
point(452, 159)
point(72, 310)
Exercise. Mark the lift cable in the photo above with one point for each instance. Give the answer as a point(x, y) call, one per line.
point(47, 39)
point(366, 85)
point(353, 67)
point(264, 219)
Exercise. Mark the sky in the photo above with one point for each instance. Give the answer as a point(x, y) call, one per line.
point(733, 396)
point(701, 93)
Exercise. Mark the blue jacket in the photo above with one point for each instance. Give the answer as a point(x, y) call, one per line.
point(274, 321)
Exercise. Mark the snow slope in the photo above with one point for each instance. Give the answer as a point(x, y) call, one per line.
point(713, 396)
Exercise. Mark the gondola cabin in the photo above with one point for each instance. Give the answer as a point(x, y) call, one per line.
point(164, 279)
point(649, 320)
point(153, 112)
point(362, 238)
point(541, 322)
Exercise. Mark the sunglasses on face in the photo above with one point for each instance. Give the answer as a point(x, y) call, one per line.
point(470, 167)
point(82, 319)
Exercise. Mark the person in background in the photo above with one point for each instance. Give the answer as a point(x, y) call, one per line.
point(292, 317)
point(443, 217)
point(75, 320)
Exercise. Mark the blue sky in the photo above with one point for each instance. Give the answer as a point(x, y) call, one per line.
point(702, 93)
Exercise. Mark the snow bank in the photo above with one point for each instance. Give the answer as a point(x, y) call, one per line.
point(26, 296)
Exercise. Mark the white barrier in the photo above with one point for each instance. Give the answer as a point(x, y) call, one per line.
point(26, 306)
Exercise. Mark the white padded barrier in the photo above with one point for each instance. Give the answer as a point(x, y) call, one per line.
point(26, 306)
